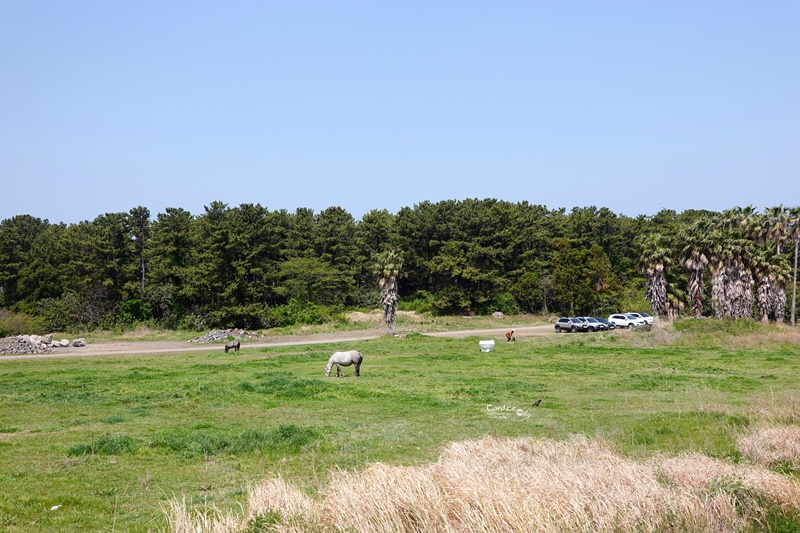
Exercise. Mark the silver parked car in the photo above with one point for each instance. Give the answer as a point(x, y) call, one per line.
point(571, 324)
point(594, 324)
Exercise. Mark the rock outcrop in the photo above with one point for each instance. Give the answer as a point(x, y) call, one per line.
point(33, 344)
point(222, 335)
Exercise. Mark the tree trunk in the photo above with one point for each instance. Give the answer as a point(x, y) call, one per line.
point(779, 303)
point(764, 298)
point(143, 275)
point(545, 283)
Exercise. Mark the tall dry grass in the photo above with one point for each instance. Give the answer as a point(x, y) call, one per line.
point(208, 519)
point(777, 411)
point(520, 485)
point(772, 446)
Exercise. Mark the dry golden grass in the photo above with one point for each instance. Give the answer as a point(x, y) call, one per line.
point(785, 336)
point(781, 410)
point(772, 446)
point(737, 336)
point(740, 335)
point(520, 485)
point(702, 474)
point(298, 511)
point(662, 333)
point(181, 517)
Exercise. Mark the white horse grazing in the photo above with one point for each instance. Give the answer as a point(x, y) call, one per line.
point(344, 359)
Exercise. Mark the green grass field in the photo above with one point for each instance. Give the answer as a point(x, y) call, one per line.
point(110, 439)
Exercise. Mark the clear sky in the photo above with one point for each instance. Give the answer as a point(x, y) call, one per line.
point(635, 106)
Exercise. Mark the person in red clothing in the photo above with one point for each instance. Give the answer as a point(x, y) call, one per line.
point(510, 336)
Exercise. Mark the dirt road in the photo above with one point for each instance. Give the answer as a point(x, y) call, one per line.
point(150, 347)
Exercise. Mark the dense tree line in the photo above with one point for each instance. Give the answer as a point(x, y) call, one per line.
point(247, 266)
point(742, 254)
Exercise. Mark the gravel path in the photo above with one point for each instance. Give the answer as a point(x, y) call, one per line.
point(157, 347)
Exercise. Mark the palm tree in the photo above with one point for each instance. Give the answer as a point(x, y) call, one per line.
point(388, 267)
point(793, 232)
point(656, 259)
point(776, 218)
point(695, 261)
point(741, 281)
point(780, 275)
point(674, 304)
point(731, 280)
point(720, 256)
point(733, 263)
point(752, 224)
point(696, 264)
point(762, 272)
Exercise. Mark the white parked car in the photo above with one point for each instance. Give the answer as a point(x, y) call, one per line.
point(647, 318)
point(621, 320)
point(640, 321)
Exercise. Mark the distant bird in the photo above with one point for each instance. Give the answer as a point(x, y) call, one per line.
point(536, 403)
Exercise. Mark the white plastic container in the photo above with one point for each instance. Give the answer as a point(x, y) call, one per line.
point(486, 346)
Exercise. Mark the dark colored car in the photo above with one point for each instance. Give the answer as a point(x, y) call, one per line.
point(609, 325)
point(571, 324)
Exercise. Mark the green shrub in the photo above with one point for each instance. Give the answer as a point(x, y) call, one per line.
point(631, 298)
point(422, 302)
point(503, 302)
point(73, 311)
point(251, 316)
point(294, 313)
point(264, 521)
point(726, 326)
point(284, 438)
point(285, 385)
point(60, 314)
point(287, 438)
point(106, 445)
point(195, 442)
point(367, 297)
point(131, 311)
point(195, 322)
point(12, 324)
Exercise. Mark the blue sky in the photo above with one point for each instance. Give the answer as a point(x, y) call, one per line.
point(635, 106)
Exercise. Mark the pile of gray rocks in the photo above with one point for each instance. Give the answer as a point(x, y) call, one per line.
point(33, 344)
point(222, 335)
